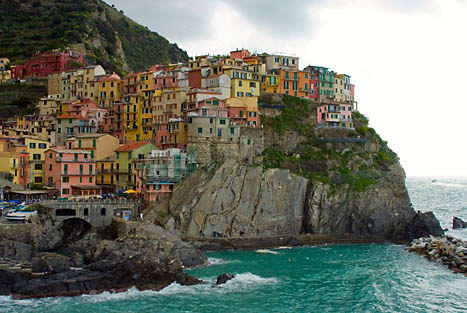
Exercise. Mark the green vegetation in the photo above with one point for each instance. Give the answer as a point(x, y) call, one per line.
point(349, 165)
point(31, 26)
point(294, 117)
point(19, 99)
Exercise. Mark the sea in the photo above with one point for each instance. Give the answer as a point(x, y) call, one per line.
point(326, 278)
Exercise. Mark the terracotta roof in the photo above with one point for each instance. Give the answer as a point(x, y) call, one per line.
point(111, 77)
point(131, 146)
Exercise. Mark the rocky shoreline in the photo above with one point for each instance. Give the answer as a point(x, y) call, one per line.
point(45, 260)
point(447, 250)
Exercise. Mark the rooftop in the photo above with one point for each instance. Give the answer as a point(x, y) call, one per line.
point(131, 146)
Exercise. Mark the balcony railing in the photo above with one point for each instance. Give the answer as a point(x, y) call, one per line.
point(59, 159)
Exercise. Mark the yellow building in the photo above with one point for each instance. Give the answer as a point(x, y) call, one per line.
point(271, 84)
point(110, 90)
point(198, 62)
point(36, 149)
point(243, 83)
point(339, 92)
point(132, 117)
point(106, 171)
point(39, 129)
point(101, 146)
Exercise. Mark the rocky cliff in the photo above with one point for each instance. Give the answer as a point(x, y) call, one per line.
point(69, 259)
point(310, 181)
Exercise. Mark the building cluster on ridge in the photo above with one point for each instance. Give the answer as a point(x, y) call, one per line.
point(101, 133)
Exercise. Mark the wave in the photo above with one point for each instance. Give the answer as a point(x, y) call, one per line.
point(450, 185)
point(216, 261)
point(267, 251)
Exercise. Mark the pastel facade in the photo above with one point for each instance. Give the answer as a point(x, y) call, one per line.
point(125, 162)
point(335, 115)
point(71, 172)
point(100, 146)
point(110, 90)
point(36, 149)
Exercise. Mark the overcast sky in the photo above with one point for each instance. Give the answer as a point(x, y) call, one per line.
point(407, 59)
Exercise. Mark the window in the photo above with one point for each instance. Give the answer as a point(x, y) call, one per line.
point(94, 143)
point(90, 169)
point(38, 167)
point(103, 211)
point(36, 156)
point(65, 191)
point(118, 155)
point(222, 122)
point(66, 179)
point(38, 180)
point(210, 130)
point(232, 130)
point(253, 84)
point(81, 169)
point(239, 94)
point(86, 212)
point(32, 145)
point(90, 179)
point(219, 132)
point(42, 146)
point(200, 130)
point(50, 167)
point(240, 83)
point(129, 155)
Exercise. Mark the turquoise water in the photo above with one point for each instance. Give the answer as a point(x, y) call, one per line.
point(342, 278)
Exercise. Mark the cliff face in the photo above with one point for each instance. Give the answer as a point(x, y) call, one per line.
point(275, 202)
point(305, 182)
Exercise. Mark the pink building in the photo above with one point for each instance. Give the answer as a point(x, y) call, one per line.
point(166, 79)
point(71, 172)
point(335, 115)
point(209, 107)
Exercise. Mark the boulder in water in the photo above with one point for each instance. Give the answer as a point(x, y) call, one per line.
point(222, 279)
point(458, 223)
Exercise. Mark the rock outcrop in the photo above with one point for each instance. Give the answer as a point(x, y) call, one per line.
point(143, 255)
point(458, 223)
point(237, 198)
point(274, 202)
point(447, 250)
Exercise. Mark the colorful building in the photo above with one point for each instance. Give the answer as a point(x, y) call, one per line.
point(110, 90)
point(46, 63)
point(36, 149)
point(125, 162)
point(100, 146)
point(71, 172)
point(161, 170)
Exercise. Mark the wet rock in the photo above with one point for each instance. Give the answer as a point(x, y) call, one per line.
point(50, 262)
point(458, 223)
point(444, 249)
point(424, 224)
point(222, 279)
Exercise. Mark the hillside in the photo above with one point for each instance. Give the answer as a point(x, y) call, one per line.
point(108, 36)
point(340, 183)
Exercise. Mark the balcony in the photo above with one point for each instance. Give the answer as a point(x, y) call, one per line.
point(68, 160)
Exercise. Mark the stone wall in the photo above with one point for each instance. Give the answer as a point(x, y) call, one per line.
point(96, 213)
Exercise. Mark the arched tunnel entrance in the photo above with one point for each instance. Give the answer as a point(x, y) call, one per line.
point(74, 228)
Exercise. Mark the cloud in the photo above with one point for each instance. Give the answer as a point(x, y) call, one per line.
point(287, 19)
point(177, 20)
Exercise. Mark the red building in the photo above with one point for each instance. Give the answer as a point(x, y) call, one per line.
point(44, 64)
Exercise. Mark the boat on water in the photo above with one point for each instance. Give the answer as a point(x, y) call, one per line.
point(20, 214)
